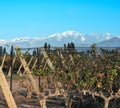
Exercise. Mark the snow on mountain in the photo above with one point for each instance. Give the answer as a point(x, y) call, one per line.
point(113, 42)
point(59, 39)
point(16, 39)
point(2, 42)
point(70, 33)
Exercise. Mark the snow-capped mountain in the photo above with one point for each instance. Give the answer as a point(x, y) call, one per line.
point(59, 39)
point(113, 42)
point(2, 42)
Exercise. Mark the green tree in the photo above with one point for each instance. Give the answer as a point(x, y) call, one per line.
point(1, 51)
point(34, 52)
point(4, 50)
point(45, 46)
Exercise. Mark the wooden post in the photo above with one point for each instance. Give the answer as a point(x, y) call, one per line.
point(11, 53)
point(9, 72)
point(38, 65)
point(34, 64)
point(47, 59)
point(62, 59)
point(27, 71)
point(72, 59)
point(3, 60)
point(6, 91)
point(28, 74)
point(18, 72)
point(29, 62)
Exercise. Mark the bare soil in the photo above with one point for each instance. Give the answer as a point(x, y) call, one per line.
point(19, 95)
point(22, 101)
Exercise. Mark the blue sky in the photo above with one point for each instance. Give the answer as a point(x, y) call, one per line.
point(35, 18)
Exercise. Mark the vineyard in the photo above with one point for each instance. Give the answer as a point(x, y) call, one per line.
point(61, 78)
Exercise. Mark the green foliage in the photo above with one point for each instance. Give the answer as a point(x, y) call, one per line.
point(37, 72)
point(18, 52)
point(92, 71)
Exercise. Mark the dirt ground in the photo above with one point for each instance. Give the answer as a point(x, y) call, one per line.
point(20, 94)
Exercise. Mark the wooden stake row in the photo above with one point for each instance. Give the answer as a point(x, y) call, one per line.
point(5, 88)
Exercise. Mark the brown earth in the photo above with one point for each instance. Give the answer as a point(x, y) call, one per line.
point(20, 94)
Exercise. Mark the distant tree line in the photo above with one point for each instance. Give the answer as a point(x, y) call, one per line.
point(66, 46)
point(2, 50)
point(70, 47)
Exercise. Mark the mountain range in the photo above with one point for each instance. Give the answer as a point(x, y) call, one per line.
point(59, 39)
